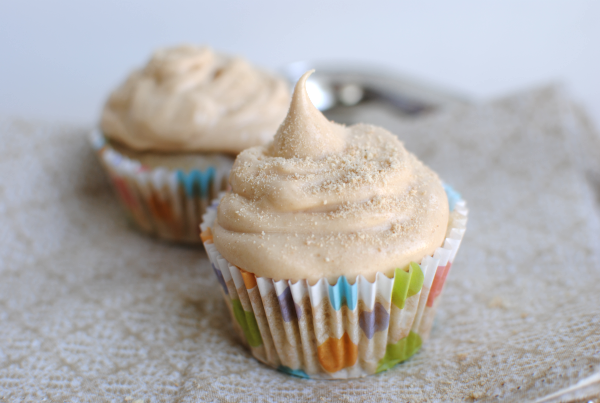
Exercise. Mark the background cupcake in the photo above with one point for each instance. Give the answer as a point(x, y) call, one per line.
point(333, 246)
point(169, 133)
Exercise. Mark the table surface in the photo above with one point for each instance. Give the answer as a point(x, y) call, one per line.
point(91, 309)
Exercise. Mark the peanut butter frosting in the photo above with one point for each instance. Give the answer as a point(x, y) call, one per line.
point(323, 200)
point(190, 98)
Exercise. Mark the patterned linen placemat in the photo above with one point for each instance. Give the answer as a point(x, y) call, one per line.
point(91, 310)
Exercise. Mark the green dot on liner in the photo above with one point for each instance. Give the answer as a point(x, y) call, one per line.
point(407, 284)
point(401, 351)
point(248, 323)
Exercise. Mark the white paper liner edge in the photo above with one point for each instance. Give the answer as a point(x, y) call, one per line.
point(293, 338)
point(154, 199)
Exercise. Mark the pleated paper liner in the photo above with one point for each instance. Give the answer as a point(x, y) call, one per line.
point(351, 329)
point(165, 203)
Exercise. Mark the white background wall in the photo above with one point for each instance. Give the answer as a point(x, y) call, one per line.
point(60, 58)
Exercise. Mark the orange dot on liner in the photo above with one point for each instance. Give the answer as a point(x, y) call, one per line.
point(206, 236)
point(337, 354)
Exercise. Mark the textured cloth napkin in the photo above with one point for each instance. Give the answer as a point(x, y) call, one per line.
point(91, 310)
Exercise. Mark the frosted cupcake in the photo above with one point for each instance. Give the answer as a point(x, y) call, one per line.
point(332, 246)
point(169, 134)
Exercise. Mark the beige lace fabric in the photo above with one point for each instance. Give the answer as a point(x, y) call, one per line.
point(91, 310)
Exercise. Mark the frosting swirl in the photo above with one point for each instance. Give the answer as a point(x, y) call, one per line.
point(192, 99)
point(323, 200)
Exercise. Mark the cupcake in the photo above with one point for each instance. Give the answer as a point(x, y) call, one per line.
point(333, 246)
point(169, 134)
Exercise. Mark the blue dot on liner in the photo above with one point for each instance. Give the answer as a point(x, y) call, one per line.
point(453, 196)
point(195, 182)
point(343, 293)
point(294, 372)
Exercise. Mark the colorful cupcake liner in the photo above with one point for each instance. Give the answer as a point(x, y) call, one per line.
point(351, 329)
point(165, 203)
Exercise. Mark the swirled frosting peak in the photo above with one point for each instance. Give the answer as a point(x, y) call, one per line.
point(305, 132)
point(190, 98)
point(323, 200)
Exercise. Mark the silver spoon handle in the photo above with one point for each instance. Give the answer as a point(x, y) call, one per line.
point(344, 84)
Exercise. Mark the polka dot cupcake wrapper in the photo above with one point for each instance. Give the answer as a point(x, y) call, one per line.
point(350, 329)
point(165, 203)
